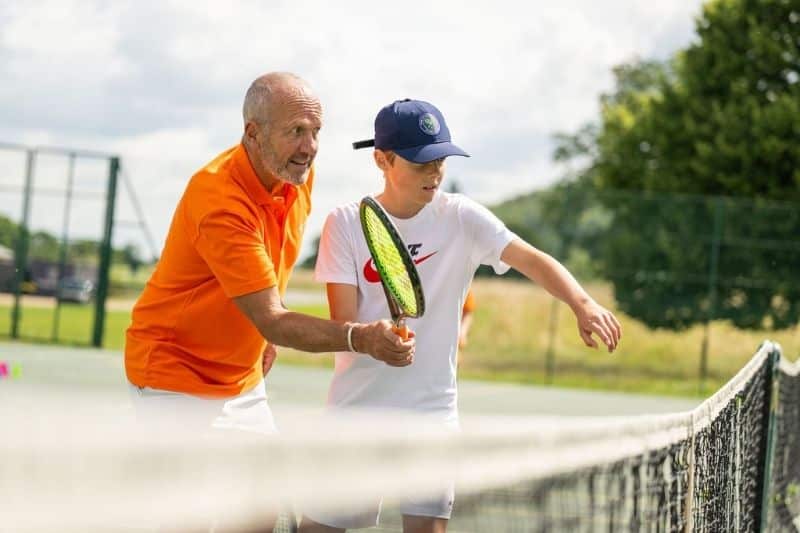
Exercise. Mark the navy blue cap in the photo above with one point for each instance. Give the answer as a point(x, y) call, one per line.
point(414, 130)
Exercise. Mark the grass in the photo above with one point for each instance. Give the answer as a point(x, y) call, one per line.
point(511, 346)
point(124, 283)
point(75, 324)
point(509, 342)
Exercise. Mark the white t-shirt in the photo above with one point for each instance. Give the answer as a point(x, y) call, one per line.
point(448, 239)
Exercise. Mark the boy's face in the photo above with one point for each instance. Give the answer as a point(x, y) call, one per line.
point(414, 183)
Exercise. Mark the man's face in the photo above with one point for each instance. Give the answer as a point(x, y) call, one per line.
point(287, 144)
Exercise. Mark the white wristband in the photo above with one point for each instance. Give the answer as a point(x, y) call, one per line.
point(350, 338)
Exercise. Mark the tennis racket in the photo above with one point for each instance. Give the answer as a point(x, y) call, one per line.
point(399, 277)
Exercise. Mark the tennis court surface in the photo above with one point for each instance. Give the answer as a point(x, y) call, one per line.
point(72, 461)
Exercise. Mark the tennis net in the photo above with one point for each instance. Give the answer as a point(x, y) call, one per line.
point(731, 464)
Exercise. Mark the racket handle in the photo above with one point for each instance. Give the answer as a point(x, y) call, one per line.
point(402, 331)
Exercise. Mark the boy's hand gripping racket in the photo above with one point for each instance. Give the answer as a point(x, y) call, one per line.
point(399, 276)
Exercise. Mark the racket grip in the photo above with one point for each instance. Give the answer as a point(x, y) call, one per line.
point(402, 331)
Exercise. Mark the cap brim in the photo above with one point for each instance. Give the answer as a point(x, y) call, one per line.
point(430, 152)
point(363, 144)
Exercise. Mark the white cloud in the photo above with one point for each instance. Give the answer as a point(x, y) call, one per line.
point(161, 83)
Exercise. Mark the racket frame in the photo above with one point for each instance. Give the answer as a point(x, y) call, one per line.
point(396, 310)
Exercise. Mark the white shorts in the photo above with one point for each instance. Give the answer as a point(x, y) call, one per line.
point(437, 506)
point(249, 411)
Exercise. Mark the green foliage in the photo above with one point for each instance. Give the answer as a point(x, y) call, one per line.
point(565, 221)
point(311, 261)
point(725, 122)
point(723, 119)
point(43, 246)
point(84, 249)
point(454, 186)
point(129, 255)
point(8, 232)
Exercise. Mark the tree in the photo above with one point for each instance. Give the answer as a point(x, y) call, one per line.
point(454, 186)
point(8, 232)
point(718, 128)
point(132, 257)
point(43, 246)
point(311, 261)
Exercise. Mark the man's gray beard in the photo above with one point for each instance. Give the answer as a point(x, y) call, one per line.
point(285, 176)
point(282, 173)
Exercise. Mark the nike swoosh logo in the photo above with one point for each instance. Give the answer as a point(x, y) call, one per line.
point(371, 274)
point(423, 258)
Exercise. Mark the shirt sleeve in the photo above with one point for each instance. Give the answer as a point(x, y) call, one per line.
point(336, 257)
point(489, 235)
point(232, 245)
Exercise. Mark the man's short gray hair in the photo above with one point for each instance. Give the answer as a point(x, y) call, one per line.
point(258, 99)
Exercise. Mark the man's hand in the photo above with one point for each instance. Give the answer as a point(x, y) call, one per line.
point(594, 318)
point(378, 340)
point(270, 352)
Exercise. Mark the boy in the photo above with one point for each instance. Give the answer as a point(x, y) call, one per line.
point(448, 236)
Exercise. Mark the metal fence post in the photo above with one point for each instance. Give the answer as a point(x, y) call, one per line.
point(550, 355)
point(105, 255)
point(64, 252)
point(21, 251)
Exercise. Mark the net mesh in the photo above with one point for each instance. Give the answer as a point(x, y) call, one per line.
point(389, 263)
point(731, 464)
point(643, 493)
point(710, 480)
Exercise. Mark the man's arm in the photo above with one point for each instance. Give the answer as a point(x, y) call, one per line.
point(343, 305)
point(310, 334)
point(550, 274)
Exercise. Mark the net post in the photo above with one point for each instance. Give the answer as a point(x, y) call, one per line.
point(105, 255)
point(736, 463)
point(773, 397)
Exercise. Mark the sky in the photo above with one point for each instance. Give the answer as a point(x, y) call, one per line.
point(161, 84)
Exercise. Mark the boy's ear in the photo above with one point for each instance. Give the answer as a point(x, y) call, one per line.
point(380, 159)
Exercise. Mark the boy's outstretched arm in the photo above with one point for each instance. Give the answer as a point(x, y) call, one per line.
point(543, 269)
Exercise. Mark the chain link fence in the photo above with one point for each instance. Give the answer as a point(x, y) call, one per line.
point(673, 261)
point(58, 217)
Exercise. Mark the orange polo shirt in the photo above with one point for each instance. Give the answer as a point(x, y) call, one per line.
point(229, 237)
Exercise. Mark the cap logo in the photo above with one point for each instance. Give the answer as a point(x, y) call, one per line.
point(428, 124)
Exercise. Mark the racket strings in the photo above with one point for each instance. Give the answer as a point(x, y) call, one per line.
point(390, 264)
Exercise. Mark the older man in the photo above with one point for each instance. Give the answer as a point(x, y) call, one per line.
point(204, 329)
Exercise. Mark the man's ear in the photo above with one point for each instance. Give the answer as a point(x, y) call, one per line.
point(250, 131)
